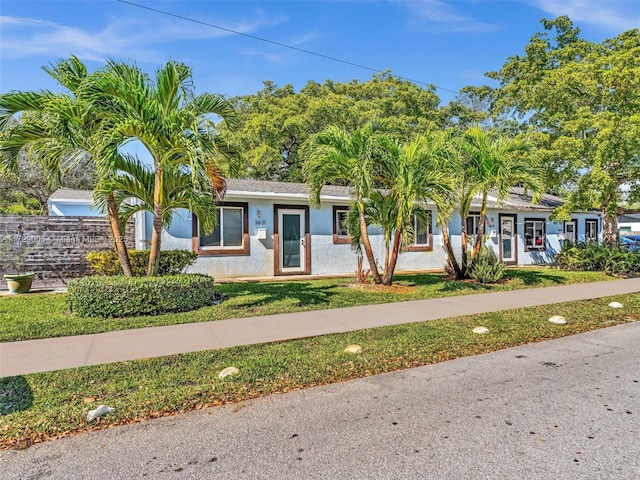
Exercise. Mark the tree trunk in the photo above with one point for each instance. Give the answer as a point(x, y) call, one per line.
point(463, 246)
point(386, 255)
point(388, 273)
point(364, 235)
point(118, 238)
point(610, 236)
point(156, 234)
point(480, 232)
point(459, 274)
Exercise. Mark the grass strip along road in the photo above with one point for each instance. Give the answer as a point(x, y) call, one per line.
point(44, 406)
point(29, 317)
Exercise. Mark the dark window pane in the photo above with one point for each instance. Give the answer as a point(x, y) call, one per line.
point(422, 230)
point(341, 218)
point(232, 227)
point(212, 240)
point(471, 225)
point(291, 240)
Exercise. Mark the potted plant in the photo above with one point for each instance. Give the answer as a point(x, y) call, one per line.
point(12, 261)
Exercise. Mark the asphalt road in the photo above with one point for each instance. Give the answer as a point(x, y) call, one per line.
point(563, 409)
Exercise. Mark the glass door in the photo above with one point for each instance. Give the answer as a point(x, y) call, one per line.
point(508, 250)
point(291, 240)
point(570, 230)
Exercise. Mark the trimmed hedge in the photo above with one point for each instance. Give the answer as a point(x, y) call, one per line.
point(172, 262)
point(119, 296)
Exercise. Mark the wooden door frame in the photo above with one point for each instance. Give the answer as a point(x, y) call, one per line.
point(276, 240)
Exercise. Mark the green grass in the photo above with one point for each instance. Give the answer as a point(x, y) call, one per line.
point(35, 316)
point(43, 406)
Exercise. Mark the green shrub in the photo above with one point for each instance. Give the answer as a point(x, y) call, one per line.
point(486, 267)
point(172, 262)
point(119, 296)
point(595, 257)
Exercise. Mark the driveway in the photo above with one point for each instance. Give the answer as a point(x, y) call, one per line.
point(563, 409)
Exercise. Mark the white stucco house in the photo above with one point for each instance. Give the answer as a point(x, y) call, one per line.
point(268, 229)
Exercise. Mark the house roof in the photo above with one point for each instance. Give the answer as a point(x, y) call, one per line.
point(236, 186)
point(629, 218)
point(241, 187)
point(246, 187)
point(518, 199)
point(66, 194)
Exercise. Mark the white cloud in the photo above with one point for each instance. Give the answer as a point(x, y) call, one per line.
point(129, 37)
point(442, 16)
point(613, 15)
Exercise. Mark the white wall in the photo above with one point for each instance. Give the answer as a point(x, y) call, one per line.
point(71, 209)
point(326, 257)
point(329, 258)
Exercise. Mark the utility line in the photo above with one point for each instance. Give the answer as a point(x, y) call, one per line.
point(273, 42)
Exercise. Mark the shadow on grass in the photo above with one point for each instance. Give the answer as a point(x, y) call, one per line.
point(15, 395)
point(421, 279)
point(446, 284)
point(532, 277)
point(259, 294)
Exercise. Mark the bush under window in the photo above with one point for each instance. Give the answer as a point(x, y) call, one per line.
point(172, 262)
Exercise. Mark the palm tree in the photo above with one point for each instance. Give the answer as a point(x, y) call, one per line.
point(412, 173)
point(496, 163)
point(133, 189)
point(60, 128)
point(381, 209)
point(176, 128)
point(337, 156)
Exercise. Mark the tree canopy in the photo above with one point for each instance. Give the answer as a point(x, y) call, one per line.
point(276, 121)
point(582, 102)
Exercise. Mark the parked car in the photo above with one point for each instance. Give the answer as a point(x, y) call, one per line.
point(630, 244)
point(635, 238)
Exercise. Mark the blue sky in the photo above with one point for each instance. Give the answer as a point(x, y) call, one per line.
point(449, 43)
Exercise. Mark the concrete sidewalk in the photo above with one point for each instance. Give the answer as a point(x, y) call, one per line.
point(19, 358)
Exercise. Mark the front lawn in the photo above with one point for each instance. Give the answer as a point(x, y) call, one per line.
point(35, 316)
point(43, 406)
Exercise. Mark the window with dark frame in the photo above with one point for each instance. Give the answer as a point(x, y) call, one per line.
point(571, 231)
point(473, 220)
point(535, 234)
point(591, 230)
point(229, 237)
point(228, 232)
point(423, 233)
point(340, 234)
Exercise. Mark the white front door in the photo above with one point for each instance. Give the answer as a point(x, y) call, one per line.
point(291, 240)
point(570, 231)
point(508, 249)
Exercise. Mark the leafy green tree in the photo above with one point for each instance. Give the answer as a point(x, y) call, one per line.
point(407, 175)
point(176, 127)
point(495, 163)
point(27, 192)
point(412, 173)
point(582, 100)
point(338, 156)
point(59, 129)
point(274, 123)
point(133, 187)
